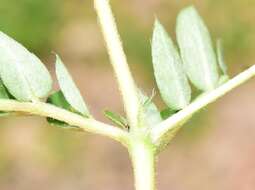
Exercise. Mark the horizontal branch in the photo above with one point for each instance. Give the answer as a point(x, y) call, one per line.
point(47, 110)
point(159, 131)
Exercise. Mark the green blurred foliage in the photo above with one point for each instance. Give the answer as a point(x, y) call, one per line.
point(31, 22)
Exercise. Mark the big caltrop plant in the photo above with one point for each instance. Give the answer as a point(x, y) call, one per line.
point(26, 88)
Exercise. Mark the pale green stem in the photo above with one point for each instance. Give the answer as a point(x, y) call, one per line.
point(143, 160)
point(159, 131)
point(47, 110)
point(118, 60)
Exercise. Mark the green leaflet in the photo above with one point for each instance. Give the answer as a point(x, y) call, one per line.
point(3, 91)
point(223, 67)
point(69, 89)
point(223, 79)
point(166, 113)
point(196, 49)
point(3, 95)
point(146, 101)
point(23, 74)
point(220, 56)
point(151, 112)
point(116, 119)
point(58, 100)
point(170, 76)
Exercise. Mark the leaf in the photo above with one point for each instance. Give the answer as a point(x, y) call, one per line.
point(223, 79)
point(24, 75)
point(58, 100)
point(69, 89)
point(116, 119)
point(148, 100)
point(170, 76)
point(3, 91)
point(151, 114)
point(196, 48)
point(220, 56)
point(166, 113)
point(3, 95)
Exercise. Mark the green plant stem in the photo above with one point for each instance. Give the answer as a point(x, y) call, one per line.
point(143, 161)
point(118, 60)
point(159, 131)
point(47, 110)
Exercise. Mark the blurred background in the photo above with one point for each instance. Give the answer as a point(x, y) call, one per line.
point(215, 150)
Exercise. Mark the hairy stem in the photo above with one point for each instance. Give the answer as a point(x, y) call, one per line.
point(159, 131)
point(47, 110)
point(118, 60)
point(143, 160)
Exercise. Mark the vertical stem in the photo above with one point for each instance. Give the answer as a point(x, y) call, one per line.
point(118, 60)
point(143, 160)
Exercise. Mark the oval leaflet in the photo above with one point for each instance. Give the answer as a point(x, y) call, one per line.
point(23, 74)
